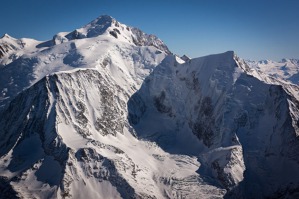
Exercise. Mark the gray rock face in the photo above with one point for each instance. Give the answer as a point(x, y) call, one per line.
point(4, 48)
point(142, 39)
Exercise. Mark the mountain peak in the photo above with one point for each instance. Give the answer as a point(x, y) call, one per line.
point(185, 58)
point(106, 25)
point(104, 18)
point(230, 53)
point(283, 60)
point(292, 61)
point(6, 36)
point(7, 44)
point(265, 61)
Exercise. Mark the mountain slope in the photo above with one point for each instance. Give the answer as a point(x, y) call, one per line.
point(119, 57)
point(241, 129)
point(75, 123)
point(238, 132)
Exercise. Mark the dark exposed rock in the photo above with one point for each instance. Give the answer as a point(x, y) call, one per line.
point(159, 102)
point(142, 39)
point(6, 190)
point(242, 119)
point(204, 126)
point(136, 108)
point(116, 30)
point(113, 33)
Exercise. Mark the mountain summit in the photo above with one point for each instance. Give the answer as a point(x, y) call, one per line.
point(102, 43)
point(105, 25)
point(106, 111)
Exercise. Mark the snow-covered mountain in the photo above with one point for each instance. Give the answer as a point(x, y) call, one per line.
point(11, 48)
point(128, 55)
point(241, 129)
point(106, 111)
point(286, 69)
point(275, 73)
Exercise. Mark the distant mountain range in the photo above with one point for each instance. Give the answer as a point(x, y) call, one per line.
point(107, 111)
point(286, 69)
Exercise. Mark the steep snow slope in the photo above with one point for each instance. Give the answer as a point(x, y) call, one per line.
point(128, 58)
point(241, 128)
point(72, 139)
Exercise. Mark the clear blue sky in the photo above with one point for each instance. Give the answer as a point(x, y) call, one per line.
point(254, 29)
